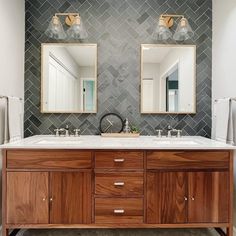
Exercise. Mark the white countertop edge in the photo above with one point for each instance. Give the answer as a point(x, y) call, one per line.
point(96, 142)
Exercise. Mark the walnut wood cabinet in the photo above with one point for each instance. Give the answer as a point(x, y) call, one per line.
point(187, 197)
point(117, 189)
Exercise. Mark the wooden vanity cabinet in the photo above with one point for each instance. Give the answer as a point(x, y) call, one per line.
point(27, 198)
point(70, 197)
point(187, 197)
point(48, 187)
point(117, 189)
point(180, 190)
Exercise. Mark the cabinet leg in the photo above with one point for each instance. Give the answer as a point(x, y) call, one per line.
point(5, 232)
point(230, 231)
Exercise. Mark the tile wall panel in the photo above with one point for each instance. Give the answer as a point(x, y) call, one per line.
point(118, 27)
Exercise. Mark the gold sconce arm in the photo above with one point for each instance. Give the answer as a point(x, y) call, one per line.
point(168, 18)
point(172, 15)
point(70, 17)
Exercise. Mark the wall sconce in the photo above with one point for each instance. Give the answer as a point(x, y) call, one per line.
point(73, 20)
point(182, 33)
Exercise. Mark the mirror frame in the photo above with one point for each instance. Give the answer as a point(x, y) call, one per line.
point(195, 78)
point(96, 76)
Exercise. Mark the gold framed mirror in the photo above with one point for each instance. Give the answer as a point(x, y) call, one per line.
point(68, 78)
point(168, 79)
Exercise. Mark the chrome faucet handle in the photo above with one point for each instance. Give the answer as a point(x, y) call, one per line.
point(179, 132)
point(57, 132)
point(159, 132)
point(76, 132)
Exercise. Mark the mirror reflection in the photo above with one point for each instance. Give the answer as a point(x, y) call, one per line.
point(168, 79)
point(69, 78)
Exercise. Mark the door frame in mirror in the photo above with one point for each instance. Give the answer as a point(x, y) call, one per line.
point(194, 79)
point(42, 83)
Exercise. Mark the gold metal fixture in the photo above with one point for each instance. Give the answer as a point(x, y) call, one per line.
point(166, 21)
point(70, 18)
point(73, 21)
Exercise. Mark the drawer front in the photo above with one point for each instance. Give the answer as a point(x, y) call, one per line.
point(34, 159)
point(119, 184)
point(119, 210)
point(188, 160)
point(119, 160)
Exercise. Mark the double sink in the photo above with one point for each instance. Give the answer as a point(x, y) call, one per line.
point(110, 142)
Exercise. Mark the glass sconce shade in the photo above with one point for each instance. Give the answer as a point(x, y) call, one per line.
point(55, 29)
point(162, 32)
point(183, 31)
point(77, 30)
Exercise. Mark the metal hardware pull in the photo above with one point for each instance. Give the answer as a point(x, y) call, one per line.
point(185, 199)
point(119, 184)
point(119, 211)
point(193, 198)
point(44, 199)
point(119, 160)
point(51, 199)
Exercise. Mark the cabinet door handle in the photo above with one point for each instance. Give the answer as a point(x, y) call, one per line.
point(119, 160)
point(185, 199)
point(44, 199)
point(119, 211)
point(51, 199)
point(119, 184)
point(193, 198)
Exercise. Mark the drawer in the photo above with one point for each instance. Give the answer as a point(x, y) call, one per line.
point(35, 159)
point(119, 210)
point(119, 184)
point(188, 160)
point(122, 160)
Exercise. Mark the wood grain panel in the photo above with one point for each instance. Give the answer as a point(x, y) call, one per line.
point(132, 207)
point(188, 160)
point(208, 197)
point(27, 198)
point(166, 192)
point(71, 198)
point(119, 160)
point(37, 159)
point(119, 184)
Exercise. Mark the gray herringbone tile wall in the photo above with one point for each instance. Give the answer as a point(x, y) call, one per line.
point(118, 27)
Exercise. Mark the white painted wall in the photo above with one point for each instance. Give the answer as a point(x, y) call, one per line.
point(224, 51)
point(12, 42)
point(185, 58)
point(66, 97)
point(151, 70)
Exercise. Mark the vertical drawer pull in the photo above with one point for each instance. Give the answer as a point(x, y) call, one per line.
point(119, 160)
point(119, 211)
point(119, 184)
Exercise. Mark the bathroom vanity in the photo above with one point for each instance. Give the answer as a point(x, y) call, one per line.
point(95, 182)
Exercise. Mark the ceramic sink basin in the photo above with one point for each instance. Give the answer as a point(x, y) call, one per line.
point(59, 141)
point(176, 141)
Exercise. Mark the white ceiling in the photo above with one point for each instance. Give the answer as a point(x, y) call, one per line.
point(83, 55)
point(154, 54)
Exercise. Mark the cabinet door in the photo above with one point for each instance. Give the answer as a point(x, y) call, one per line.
point(208, 197)
point(27, 198)
point(71, 198)
point(166, 197)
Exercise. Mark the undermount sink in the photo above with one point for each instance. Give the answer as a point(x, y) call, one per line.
point(176, 141)
point(60, 141)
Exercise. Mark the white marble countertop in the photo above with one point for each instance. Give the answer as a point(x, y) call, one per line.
point(98, 142)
